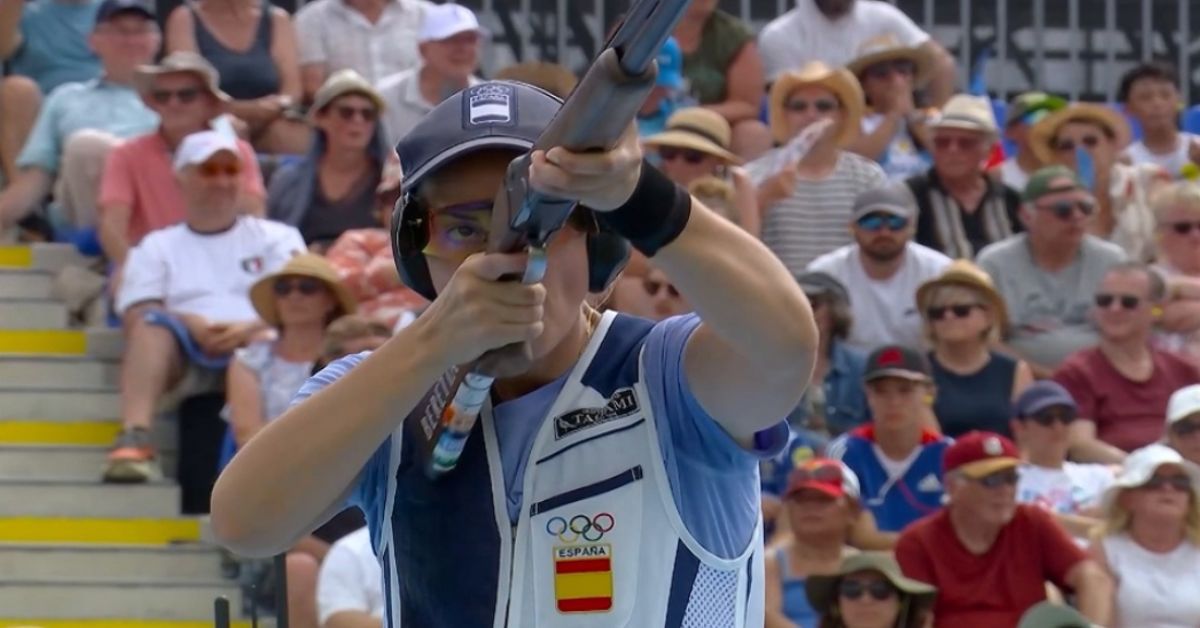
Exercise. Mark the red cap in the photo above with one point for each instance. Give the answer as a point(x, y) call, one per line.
point(825, 475)
point(977, 454)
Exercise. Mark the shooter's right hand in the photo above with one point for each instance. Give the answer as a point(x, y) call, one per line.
point(476, 312)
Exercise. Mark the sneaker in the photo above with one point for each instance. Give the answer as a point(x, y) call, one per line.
point(132, 459)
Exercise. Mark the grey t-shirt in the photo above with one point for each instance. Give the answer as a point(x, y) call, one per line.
point(1048, 312)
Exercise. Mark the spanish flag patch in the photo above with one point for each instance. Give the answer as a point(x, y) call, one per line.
point(583, 578)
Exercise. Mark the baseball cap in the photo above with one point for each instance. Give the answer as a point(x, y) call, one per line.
point(969, 113)
point(182, 61)
point(1183, 403)
point(198, 148)
point(670, 65)
point(1050, 615)
point(1048, 180)
point(1031, 102)
point(977, 454)
point(112, 8)
point(897, 361)
point(1040, 395)
point(831, 477)
point(891, 198)
point(443, 21)
point(817, 283)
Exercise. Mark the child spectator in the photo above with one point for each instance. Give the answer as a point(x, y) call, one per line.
point(894, 131)
point(350, 585)
point(1150, 93)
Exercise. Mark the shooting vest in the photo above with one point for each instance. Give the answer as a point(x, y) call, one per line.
point(599, 541)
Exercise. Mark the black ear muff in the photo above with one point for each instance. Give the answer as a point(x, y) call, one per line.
point(607, 255)
point(410, 235)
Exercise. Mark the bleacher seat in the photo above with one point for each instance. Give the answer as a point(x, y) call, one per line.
point(1191, 119)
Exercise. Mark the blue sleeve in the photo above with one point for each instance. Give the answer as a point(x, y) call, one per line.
point(713, 479)
point(370, 489)
point(42, 148)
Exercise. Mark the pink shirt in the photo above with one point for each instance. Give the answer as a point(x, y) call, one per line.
point(138, 174)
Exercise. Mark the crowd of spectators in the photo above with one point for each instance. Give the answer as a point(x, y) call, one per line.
point(1007, 395)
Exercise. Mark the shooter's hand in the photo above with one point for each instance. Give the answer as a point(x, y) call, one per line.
point(600, 181)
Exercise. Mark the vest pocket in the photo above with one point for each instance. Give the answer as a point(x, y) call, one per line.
point(585, 552)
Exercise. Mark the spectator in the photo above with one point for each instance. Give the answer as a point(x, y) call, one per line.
point(868, 591)
point(1122, 385)
point(365, 264)
point(719, 195)
point(665, 300)
point(1023, 112)
point(833, 31)
point(725, 72)
point(806, 188)
point(961, 208)
point(990, 557)
point(894, 132)
point(963, 315)
point(1048, 275)
point(1150, 93)
point(1177, 218)
point(668, 94)
point(883, 269)
point(449, 43)
point(376, 38)
point(1151, 540)
point(821, 503)
point(80, 122)
point(628, 293)
point(1122, 192)
point(185, 291)
point(350, 587)
point(252, 44)
point(1071, 491)
point(551, 77)
point(139, 192)
point(1183, 422)
point(696, 143)
point(896, 458)
point(350, 334)
point(332, 189)
point(836, 402)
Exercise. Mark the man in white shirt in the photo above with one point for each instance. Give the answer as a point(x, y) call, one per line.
point(1071, 491)
point(376, 38)
point(833, 31)
point(883, 268)
point(185, 291)
point(1150, 93)
point(449, 44)
point(350, 584)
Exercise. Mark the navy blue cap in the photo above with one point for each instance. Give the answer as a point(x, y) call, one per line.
point(492, 114)
point(112, 8)
point(1040, 395)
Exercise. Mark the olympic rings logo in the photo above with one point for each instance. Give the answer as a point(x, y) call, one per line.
point(590, 529)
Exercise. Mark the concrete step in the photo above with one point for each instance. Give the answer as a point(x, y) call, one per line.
point(104, 343)
point(18, 402)
point(125, 622)
point(28, 498)
point(101, 531)
point(32, 314)
point(79, 464)
point(109, 563)
point(49, 256)
point(66, 599)
point(99, 342)
point(59, 372)
point(26, 284)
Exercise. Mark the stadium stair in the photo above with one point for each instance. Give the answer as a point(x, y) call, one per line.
point(74, 552)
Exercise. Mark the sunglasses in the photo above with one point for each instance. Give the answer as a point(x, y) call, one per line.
point(1184, 228)
point(964, 144)
point(962, 310)
point(671, 153)
point(1185, 428)
point(653, 287)
point(348, 113)
point(1181, 483)
point(1065, 209)
point(306, 286)
point(212, 170)
point(877, 221)
point(185, 96)
point(1127, 301)
point(999, 478)
point(884, 70)
point(1049, 416)
point(821, 105)
point(1088, 141)
point(880, 590)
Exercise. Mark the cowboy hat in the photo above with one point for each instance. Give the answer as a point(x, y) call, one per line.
point(887, 47)
point(699, 129)
point(262, 297)
point(839, 81)
point(822, 590)
point(964, 273)
point(1042, 133)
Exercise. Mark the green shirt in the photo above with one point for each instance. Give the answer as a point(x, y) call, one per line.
point(720, 42)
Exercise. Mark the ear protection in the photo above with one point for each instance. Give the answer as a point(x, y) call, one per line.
point(607, 252)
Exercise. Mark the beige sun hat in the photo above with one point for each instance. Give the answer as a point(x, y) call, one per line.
point(1042, 133)
point(699, 129)
point(837, 80)
point(965, 273)
point(341, 83)
point(887, 47)
point(303, 265)
point(178, 62)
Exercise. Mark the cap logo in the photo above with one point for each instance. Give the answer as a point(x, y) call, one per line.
point(890, 357)
point(992, 446)
point(491, 104)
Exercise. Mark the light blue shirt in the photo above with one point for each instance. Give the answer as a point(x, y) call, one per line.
point(94, 104)
point(714, 481)
point(54, 46)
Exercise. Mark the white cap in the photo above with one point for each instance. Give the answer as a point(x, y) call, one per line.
point(1183, 403)
point(443, 21)
point(197, 148)
point(1140, 466)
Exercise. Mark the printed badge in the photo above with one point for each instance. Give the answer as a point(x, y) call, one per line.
point(583, 581)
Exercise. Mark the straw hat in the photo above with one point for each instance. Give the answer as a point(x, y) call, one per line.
point(1042, 133)
point(962, 272)
point(887, 47)
point(699, 129)
point(178, 62)
point(262, 295)
point(341, 83)
point(822, 590)
point(967, 113)
point(839, 81)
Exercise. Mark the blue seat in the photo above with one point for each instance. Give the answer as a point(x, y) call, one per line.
point(1000, 110)
point(1191, 119)
point(1135, 127)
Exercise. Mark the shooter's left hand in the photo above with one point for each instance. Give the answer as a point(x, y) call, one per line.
point(600, 181)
